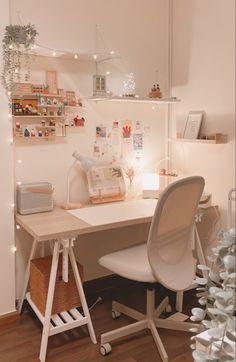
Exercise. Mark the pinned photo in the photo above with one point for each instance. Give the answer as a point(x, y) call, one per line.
point(137, 141)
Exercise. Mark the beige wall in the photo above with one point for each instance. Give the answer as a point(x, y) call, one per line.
point(204, 79)
point(7, 255)
point(126, 30)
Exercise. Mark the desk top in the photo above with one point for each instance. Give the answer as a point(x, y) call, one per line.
point(63, 224)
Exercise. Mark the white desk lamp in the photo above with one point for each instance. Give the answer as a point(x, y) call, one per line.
point(86, 163)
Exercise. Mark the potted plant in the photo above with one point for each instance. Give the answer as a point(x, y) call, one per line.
point(216, 336)
point(18, 40)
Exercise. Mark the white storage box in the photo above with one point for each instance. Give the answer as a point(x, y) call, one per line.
point(34, 197)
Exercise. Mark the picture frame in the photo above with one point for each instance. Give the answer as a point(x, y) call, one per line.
point(51, 80)
point(193, 125)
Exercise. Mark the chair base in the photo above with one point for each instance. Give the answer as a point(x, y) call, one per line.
point(149, 321)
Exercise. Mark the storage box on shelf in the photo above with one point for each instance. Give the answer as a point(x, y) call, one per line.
point(66, 295)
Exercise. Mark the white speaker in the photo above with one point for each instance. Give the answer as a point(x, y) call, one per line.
point(34, 197)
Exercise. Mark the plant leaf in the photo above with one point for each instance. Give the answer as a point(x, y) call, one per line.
point(199, 356)
point(203, 267)
point(201, 281)
point(231, 336)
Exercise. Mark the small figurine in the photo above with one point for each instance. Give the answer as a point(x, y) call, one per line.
point(49, 102)
point(155, 92)
point(79, 122)
point(26, 132)
point(52, 122)
point(46, 133)
point(54, 101)
point(42, 101)
point(32, 132)
point(43, 122)
point(40, 133)
point(162, 171)
point(79, 102)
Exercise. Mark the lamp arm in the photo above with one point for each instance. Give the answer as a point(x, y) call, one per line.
point(68, 181)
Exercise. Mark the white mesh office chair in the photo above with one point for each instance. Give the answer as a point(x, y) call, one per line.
point(166, 257)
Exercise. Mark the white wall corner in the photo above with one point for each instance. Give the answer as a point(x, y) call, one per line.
point(7, 242)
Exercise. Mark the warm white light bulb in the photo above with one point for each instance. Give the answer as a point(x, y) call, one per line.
point(112, 52)
point(13, 249)
point(53, 53)
point(19, 161)
point(9, 93)
point(76, 56)
point(10, 46)
point(19, 183)
point(107, 73)
point(18, 227)
point(153, 108)
point(12, 206)
point(11, 141)
point(95, 56)
point(16, 70)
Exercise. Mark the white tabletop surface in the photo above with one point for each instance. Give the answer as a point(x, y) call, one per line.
point(116, 211)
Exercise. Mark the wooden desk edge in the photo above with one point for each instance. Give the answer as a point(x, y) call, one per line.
point(76, 228)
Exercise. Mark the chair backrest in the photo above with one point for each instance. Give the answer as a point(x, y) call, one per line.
point(170, 239)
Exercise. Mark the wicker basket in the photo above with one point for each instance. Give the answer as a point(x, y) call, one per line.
point(66, 295)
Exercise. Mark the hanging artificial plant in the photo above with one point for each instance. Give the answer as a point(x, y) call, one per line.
point(17, 43)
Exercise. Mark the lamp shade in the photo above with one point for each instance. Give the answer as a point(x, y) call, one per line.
point(151, 185)
point(86, 162)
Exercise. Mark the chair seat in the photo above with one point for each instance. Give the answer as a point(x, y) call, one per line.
point(131, 263)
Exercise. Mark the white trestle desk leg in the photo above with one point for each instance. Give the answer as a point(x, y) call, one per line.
point(179, 301)
point(81, 293)
point(65, 254)
point(27, 273)
point(51, 288)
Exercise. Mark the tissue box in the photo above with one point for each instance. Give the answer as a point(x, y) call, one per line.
point(34, 197)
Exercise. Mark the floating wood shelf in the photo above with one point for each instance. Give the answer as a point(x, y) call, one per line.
point(31, 141)
point(220, 140)
point(32, 116)
point(35, 95)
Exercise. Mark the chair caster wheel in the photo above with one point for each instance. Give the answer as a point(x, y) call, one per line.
point(115, 314)
point(105, 349)
point(168, 308)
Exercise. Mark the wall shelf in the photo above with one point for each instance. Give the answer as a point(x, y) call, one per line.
point(212, 141)
point(36, 117)
point(134, 99)
point(36, 95)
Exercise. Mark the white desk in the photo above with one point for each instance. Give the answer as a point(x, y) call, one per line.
point(61, 227)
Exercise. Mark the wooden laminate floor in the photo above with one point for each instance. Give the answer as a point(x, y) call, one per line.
point(20, 340)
